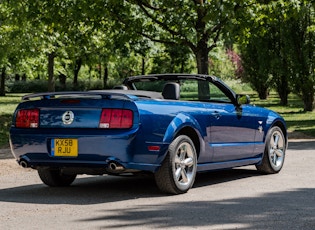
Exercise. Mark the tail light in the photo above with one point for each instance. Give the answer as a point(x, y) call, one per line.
point(27, 118)
point(116, 119)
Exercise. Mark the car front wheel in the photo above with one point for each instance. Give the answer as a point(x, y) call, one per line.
point(54, 177)
point(178, 170)
point(274, 154)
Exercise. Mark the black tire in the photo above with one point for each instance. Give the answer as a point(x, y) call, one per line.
point(275, 147)
point(54, 177)
point(178, 170)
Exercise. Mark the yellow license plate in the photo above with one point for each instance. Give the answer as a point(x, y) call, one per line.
point(64, 147)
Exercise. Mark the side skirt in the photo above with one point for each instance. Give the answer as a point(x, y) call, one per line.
point(227, 164)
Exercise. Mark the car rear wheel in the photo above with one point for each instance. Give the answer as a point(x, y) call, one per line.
point(274, 155)
point(54, 177)
point(178, 170)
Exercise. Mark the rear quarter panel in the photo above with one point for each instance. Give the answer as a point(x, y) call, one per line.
point(160, 122)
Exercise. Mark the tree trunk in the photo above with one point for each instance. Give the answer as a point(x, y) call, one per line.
point(283, 98)
point(201, 50)
point(263, 93)
point(62, 80)
point(201, 54)
point(308, 100)
point(283, 90)
point(182, 66)
point(100, 70)
point(143, 66)
point(2, 82)
point(77, 67)
point(202, 59)
point(17, 77)
point(51, 77)
point(105, 76)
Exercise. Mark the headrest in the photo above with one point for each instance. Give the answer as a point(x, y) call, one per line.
point(171, 91)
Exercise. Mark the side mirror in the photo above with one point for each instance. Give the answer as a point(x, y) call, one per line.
point(243, 99)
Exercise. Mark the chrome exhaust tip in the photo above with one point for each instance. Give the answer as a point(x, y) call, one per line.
point(114, 167)
point(24, 163)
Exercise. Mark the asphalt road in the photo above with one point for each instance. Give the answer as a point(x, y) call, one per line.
point(235, 199)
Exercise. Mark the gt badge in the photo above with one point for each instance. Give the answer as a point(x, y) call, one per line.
point(68, 117)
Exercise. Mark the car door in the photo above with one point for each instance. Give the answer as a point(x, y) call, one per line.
point(232, 128)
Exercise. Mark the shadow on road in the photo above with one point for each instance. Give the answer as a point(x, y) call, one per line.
point(104, 189)
point(279, 210)
point(285, 210)
point(293, 209)
point(302, 145)
point(84, 191)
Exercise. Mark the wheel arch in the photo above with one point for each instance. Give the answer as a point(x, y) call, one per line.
point(192, 134)
point(271, 161)
point(283, 128)
point(184, 124)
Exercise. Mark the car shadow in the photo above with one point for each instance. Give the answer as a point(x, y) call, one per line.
point(222, 176)
point(84, 191)
point(104, 189)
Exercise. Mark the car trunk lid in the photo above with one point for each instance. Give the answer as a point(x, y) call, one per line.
point(77, 110)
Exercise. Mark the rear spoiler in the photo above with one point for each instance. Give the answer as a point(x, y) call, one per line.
point(103, 94)
point(73, 94)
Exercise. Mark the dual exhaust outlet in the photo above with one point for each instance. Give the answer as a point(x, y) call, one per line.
point(112, 167)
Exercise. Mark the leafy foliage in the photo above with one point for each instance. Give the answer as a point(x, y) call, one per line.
point(110, 39)
point(278, 49)
point(196, 24)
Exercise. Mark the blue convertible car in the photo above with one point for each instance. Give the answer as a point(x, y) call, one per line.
point(171, 125)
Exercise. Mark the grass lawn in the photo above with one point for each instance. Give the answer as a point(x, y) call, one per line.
point(293, 113)
point(7, 107)
point(296, 118)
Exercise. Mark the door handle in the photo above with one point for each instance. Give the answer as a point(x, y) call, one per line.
point(216, 114)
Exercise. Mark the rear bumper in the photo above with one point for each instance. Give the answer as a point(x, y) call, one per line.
point(94, 151)
point(100, 166)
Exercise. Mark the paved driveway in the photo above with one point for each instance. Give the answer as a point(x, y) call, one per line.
point(239, 198)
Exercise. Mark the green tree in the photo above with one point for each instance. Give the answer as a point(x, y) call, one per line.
point(195, 24)
point(301, 40)
point(171, 59)
point(58, 30)
point(13, 43)
point(256, 70)
point(278, 41)
point(5, 30)
point(40, 20)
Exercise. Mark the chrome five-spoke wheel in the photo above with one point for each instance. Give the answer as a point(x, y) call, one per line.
point(274, 154)
point(178, 171)
point(184, 167)
point(276, 151)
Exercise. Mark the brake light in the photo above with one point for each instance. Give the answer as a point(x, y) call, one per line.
point(116, 119)
point(27, 118)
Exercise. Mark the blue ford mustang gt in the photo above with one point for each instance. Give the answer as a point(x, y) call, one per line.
point(171, 125)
